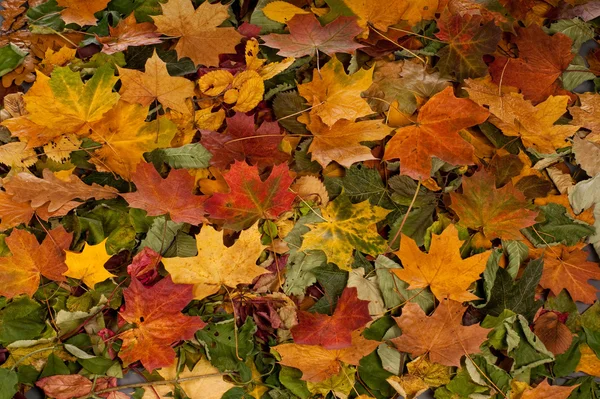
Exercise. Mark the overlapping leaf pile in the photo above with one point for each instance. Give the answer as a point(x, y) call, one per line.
point(299, 199)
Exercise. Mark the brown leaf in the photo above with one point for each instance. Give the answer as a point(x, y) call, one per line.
point(555, 335)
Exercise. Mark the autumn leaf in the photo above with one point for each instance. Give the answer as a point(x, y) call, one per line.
point(334, 95)
point(200, 38)
point(555, 335)
point(80, 14)
point(435, 133)
point(497, 213)
point(242, 141)
point(128, 33)
point(307, 36)
point(173, 196)
point(21, 271)
point(155, 84)
point(345, 227)
point(442, 269)
point(342, 141)
point(88, 265)
point(217, 265)
point(335, 331)
point(65, 386)
point(542, 59)
point(318, 363)
point(14, 213)
point(441, 335)
point(545, 390)
point(250, 198)
point(587, 115)
point(155, 313)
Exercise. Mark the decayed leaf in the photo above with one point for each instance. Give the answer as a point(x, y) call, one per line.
point(155, 83)
point(317, 363)
point(334, 95)
point(81, 13)
point(435, 133)
point(88, 265)
point(307, 36)
point(542, 59)
point(442, 269)
point(57, 193)
point(568, 268)
point(547, 391)
point(128, 33)
point(173, 195)
point(555, 335)
point(518, 117)
point(469, 38)
point(587, 155)
point(242, 141)
point(441, 335)
point(200, 38)
point(65, 386)
point(21, 271)
point(333, 332)
point(249, 198)
point(346, 227)
point(17, 155)
point(422, 375)
point(497, 213)
point(587, 115)
point(155, 314)
point(342, 141)
point(309, 188)
point(217, 265)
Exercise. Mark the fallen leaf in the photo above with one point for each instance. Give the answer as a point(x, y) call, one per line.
point(128, 33)
point(589, 362)
point(81, 13)
point(555, 335)
point(547, 391)
point(88, 265)
point(587, 115)
point(65, 386)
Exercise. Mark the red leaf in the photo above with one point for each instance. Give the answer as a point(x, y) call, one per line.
point(250, 198)
point(173, 195)
point(65, 386)
point(333, 332)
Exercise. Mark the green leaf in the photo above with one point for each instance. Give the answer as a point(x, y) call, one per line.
point(190, 156)
point(184, 246)
point(22, 319)
point(161, 235)
point(10, 57)
point(517, 252)
point(46, 15)
point(524, 346)
point(8, 383)
point(54, 366)
point(558, 227)
point(290, 378)
point(333, 280)
point(576, 29)
point(360, 184)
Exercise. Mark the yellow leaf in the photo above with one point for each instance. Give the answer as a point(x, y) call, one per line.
point(215, 82)
point(346, 227)
point(334, 95)
point(35, 353)
point(60, 150)
point(281, 11)
point(253, 63)
point(88, 265)
point(16, 154)
point(442, 269)
point(589, 362)
point(188, 125)
point(249, 88)
point(156, 84)
point(53, 59)
point(217, 265)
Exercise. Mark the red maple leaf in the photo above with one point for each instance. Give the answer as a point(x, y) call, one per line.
point(250, 198)
point(333, 332)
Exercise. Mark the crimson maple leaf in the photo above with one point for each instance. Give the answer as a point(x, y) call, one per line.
point(250, 198)
point(333, 332)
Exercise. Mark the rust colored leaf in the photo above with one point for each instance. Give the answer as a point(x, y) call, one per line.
point(555, 335)
point(129, 33)
point(65, 386)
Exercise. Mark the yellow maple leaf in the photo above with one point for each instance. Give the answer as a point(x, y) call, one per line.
point(155, 83)
point(188, 124)
point(217, 265)
point(346, 227)
point(442, 269)
point(88, 265)
point(200, 38)
point(334, 95)
point(81, 13)
point(125, 136)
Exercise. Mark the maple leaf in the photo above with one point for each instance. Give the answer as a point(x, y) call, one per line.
point(63, 104)
point(587, 115)
point(442, 269)
point(334, 95)
point(128, 33)
point(13, 213)
point(88, 265)
point(199, 36)
point(155, 313)
point(125, 137)
point(216, 265)
point(497, 213)
point(346, 227)
point(57, 193)
point(469, 39)
point(341, 141)
point(555, 335)
point(568, 268)
point(547, 391)
point(542, 60)
point(441, 335)
point(81, 13)
point(249, 198)
point(307, 36)
point(155, 83)
point(21, 272)
point(231, 145)
point(435, 133)
point(173, 195)
point(333, 332)
point(517, 117)
point(317, 363)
